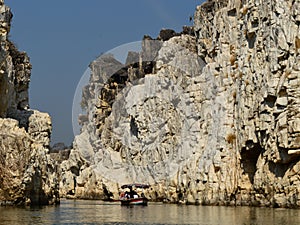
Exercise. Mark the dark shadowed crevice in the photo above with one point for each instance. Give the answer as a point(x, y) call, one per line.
point(133, 127)
point(285, 163)
point(270, 101)
point(249, 157)
point(278, 169)
point(75, 170)
point(251, 38)
point(232, 12)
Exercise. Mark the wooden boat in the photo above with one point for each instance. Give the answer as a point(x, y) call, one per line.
point(131, 197)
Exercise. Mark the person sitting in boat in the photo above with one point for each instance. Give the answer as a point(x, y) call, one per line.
point(133, 193)
point(127, 194)
point(122, 195)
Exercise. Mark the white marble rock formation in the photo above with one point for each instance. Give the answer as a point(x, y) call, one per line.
point(214, 121)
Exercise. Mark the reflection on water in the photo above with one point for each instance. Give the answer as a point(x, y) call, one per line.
point(97, 212)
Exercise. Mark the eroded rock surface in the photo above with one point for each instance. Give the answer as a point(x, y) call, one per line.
point(28, 174)
point(213, 119)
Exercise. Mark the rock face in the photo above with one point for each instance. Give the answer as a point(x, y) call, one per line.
point(253, 54)
point(28, 174)
point(210, 117)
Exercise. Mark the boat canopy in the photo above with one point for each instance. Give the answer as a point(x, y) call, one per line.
point(135, 185)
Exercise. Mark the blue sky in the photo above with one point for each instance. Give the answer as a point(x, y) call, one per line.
point(62, 37)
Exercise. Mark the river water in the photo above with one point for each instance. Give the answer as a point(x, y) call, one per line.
point(98, 212)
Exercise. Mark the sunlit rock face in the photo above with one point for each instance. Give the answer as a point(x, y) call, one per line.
point(212, 117)
point(28, 175)
point(253, 52)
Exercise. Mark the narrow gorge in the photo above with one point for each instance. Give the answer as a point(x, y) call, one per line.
point(207, 116)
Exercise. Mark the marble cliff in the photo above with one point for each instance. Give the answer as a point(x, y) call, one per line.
point(28, 175)
point(210, 115)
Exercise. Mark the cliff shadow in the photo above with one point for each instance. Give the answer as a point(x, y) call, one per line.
point(284, 163)
point(22, 116)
